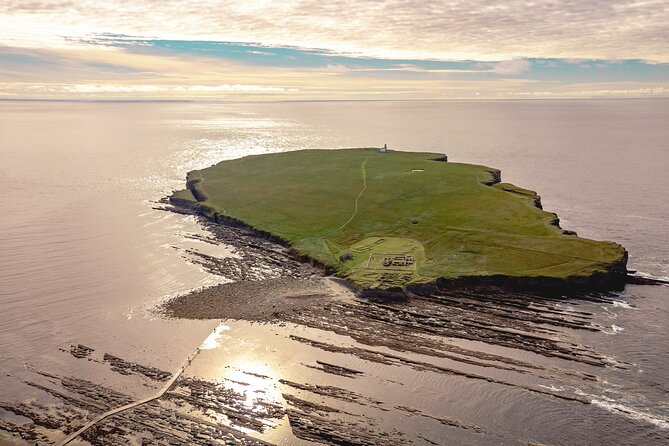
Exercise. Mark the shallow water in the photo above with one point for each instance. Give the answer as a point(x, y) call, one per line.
point(85, 254)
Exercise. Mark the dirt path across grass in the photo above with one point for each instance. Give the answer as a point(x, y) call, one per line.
point(357, 199)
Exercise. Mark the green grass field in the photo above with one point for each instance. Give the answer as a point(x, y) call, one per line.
point(449, 218)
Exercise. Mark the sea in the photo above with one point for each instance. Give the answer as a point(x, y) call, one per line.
point(87, 251)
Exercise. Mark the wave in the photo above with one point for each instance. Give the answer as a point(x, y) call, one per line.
point(214, 339)
point(632, 413)
point(615, 329)
point(620, 408)
point(644, 275)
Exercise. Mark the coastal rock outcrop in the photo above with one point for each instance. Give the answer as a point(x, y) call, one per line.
point(505, 227)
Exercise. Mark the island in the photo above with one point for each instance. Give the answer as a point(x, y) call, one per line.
point(393, 221)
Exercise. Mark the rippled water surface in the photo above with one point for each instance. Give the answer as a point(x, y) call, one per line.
point(85, 253)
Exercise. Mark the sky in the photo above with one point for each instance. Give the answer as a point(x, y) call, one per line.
point(336, 50)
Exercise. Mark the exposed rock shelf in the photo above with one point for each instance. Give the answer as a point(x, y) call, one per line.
point(354, 212)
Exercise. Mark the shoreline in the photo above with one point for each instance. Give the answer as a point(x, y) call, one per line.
point(614, 278)
point(463, 226)
point(471, 311)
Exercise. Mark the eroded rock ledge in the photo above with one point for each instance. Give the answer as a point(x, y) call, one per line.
point(460, 227)
point(613, 278)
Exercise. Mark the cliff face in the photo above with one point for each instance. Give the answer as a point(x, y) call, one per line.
point(614, 277)
point(495, 177)
point(601, 273)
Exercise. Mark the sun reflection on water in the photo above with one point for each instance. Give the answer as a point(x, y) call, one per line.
point(236, 121)
point(250, 382)
point(253, 391)
point(257, 381)
point(214, 339)
point(228, 134)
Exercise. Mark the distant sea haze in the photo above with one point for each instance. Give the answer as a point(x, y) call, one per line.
point(86, 255)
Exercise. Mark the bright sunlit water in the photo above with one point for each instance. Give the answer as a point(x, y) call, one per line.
point(84, 255)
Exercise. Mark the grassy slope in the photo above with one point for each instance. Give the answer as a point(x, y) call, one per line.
point(464, 226)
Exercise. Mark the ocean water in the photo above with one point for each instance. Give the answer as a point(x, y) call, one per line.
point(85, 255)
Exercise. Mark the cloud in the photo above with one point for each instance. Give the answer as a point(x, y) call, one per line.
point(133, 90)
point(592, 91)
point(261, 53)
point(225, 88)
point(192, 69)
point(457, 29)
point(511, 67)
point(238, 87)
point(310, 49)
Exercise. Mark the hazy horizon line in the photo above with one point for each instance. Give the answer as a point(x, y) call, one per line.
point(516, 99)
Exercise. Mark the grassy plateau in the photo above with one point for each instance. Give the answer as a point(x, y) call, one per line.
point(386, 220)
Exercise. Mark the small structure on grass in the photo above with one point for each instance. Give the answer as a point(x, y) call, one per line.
point(399, 260)
point(384, 149)
point(346, 256)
